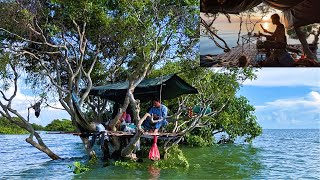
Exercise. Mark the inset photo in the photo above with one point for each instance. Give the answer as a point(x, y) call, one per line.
point(246, 33)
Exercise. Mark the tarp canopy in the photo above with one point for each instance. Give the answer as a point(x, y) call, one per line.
point(296, 12)
point(172, 86)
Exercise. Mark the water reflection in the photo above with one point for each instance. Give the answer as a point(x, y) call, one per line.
point(154, 172)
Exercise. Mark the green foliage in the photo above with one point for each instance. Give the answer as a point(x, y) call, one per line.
point(200, 137)
point(37, 127)
point(127, 164)
point(216, 87)
point(173, 159)
point(78, 167)
point(6, 75)
point(129, 34)
point(60, 125)
point(238, 119)
point(6, 127)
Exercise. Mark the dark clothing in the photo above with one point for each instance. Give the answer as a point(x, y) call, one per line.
point(279, 35)
point(278, 42)
point(149, 126)
point(279, 58)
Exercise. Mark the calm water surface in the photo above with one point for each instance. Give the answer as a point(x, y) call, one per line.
point(276, 154)
point(229, 32)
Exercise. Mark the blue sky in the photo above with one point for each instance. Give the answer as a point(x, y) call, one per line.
point(285, 98)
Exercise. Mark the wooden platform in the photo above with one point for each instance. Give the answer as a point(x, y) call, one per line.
point(145, 135)
point(124, 134)
point(230, 59)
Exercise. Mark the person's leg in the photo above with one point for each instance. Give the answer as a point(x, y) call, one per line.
point(147, 125)
point(159, 125)
point(268, 46)
point(102, 139)
point(93, 140)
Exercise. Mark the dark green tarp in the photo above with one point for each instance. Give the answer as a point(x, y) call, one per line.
point(172, 86)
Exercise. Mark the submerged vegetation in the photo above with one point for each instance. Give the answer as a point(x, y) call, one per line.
point(78, 167)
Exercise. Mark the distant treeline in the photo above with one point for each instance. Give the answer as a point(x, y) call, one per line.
point(6, 127)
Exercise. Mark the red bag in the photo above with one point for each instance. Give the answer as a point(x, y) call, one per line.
point(154, 151)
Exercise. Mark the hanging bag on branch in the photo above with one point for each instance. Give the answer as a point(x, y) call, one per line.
point(154, 151)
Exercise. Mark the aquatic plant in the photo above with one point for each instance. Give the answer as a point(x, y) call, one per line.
point(78, 167)
point(174, 158)
point(200, 137)
point(127, 164)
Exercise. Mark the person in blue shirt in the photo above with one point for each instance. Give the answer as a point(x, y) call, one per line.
point(156, 117)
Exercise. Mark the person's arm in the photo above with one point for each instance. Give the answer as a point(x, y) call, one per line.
point(266, 31)
point(151, 112)
point(264, 35)
point(164, 112)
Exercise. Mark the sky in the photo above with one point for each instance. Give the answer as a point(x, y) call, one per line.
point(285, 98)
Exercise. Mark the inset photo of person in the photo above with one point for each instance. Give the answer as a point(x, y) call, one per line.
point(245, 33)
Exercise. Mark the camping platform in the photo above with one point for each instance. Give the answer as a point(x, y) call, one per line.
point(230, 59)
point(124, 134)
point(147, 135)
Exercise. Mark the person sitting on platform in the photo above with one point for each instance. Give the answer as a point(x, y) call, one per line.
point(125, 118)
point(277, 40)
point(155, 118)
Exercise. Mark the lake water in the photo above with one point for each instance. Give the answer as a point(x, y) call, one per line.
point(276, 154)
point(229, 32)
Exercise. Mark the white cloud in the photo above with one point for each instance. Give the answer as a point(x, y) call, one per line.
point(21, 102)
point(287, 77)
point(312, 101)
point(301, 112)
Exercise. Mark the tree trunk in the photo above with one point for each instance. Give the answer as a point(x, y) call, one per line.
point(40, 145)
point(132, 144)
point(88, 147)
point(304, 43)
point(43, 149)
point(127, 151)
point(239, 33)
